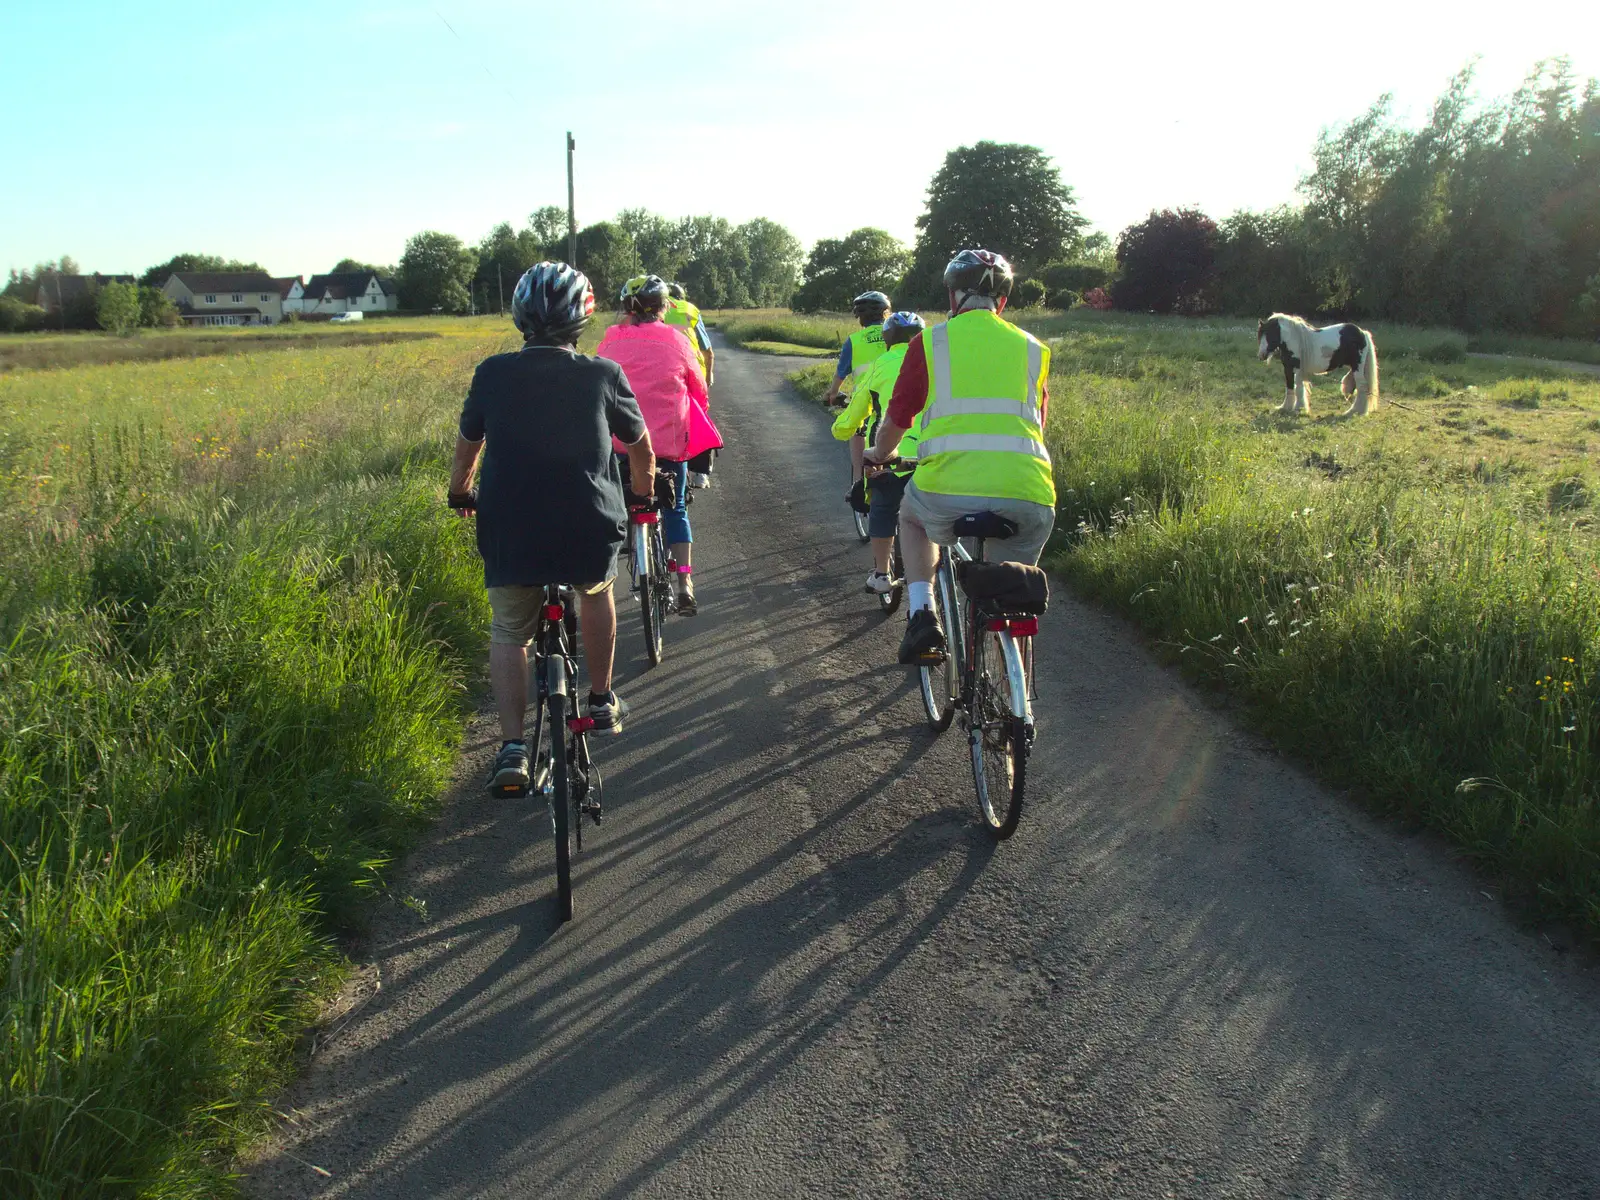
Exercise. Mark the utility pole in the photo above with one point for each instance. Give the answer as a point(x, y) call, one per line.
point(572, 210)
point(500, 281)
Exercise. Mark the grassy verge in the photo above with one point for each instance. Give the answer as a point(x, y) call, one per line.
point(788, 348)
point(1411, 600)
point(824, 334)
point(236, 624)
point(53, 351)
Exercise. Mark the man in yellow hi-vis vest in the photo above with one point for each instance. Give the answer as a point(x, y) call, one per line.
point(860, 350)
point(976, 388)
point(686, 316)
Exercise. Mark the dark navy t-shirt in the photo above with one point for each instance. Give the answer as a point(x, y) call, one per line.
point(550, 506)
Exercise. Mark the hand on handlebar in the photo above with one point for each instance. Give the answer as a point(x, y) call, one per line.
point(465, 503)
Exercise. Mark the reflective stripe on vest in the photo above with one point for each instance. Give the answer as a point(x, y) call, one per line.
point(980, 430)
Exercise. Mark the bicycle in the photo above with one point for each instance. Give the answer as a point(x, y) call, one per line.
point(651, 569)
point(986, 668)
point(561, 769)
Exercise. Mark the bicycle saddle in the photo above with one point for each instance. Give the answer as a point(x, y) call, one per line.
point(985, 525)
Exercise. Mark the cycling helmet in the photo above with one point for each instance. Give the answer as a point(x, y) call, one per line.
point(552, 301)
point(677, 291)
point(644, 294)
point(977, 273)
point(870, 304)
point(901, 327)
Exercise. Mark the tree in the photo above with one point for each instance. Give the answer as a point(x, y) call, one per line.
point(155, 309)
point(352, 265)
point(548, 225)
point(1263, 265)
point(662, 243)
point(436, 273)
point(1000, 196)
point(840, 269)
point(1167, 263)
point(775, 258)
point(17, 316)
point(117, 308)
point(1065, 282)
point(503, 256)
point(606, 254)
point(157, 275)
point(718, 270)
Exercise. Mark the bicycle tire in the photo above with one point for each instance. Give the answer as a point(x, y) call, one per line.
point(997, 741)
point(647, 586)
point(860, 520)
point(941, 684)
point(661, 584)
point(890, 600)
point(561, 803)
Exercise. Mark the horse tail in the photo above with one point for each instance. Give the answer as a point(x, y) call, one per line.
point(1369, 372)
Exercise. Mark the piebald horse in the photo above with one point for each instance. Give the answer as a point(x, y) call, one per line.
point(1305, 351)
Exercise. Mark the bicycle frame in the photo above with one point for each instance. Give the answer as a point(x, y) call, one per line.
point(962, 629)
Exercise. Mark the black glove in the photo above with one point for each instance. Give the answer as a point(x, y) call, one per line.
point(466, 501)
point(666, 490)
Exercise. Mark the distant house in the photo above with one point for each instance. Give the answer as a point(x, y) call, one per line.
point(225, 297)
point(291, 293)
point(62, 291)
point(350, 291)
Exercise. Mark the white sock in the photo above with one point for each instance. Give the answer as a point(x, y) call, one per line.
point(920, 596)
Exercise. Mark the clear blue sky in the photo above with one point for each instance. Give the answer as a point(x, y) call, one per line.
point(295, 134)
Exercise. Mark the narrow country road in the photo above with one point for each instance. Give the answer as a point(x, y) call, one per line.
point(800, 969)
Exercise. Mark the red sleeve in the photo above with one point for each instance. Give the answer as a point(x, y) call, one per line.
point(1044, 403)
point(910, 387)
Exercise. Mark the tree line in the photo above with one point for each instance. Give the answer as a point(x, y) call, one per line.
point(723, 265)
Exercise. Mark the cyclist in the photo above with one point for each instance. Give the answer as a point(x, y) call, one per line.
point(685, 316)
point(867, 402)
point(858, 353)
point(979, 384)
point(549, 498)
point(662, 371)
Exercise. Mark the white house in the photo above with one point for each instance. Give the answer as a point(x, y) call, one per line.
point(291, 294)
point(349, 291)
point(225, 297)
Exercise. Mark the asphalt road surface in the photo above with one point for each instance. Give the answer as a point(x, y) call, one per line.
point(800, 968)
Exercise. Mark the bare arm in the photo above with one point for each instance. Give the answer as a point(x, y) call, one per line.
point(642, 465)
point(889, 435)
point(465, 461)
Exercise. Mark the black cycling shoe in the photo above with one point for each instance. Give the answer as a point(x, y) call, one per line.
point(509, 775)
point(924, 640)
point(607, 712)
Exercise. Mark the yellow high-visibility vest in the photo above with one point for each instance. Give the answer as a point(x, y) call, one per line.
point(981, 432)
point(866, 345)
point(685, 316)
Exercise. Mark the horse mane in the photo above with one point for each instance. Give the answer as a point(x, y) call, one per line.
point(1292, 320)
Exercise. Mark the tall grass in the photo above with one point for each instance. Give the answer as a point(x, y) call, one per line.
point(1424, 632)
point(229, 693)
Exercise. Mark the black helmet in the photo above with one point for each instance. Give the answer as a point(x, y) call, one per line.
point(552, 301)
point(677, 291)
point(870, 304)
point(978, 273)
point(644, 294)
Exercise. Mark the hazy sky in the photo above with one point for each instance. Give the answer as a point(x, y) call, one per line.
point(295, 134)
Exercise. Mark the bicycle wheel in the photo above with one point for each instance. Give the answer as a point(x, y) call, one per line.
point(661, 581)
point(890, 600)
point(859, 518)
point(561, 802)
point(941, 684)
point(997, 738)
point(645, 585)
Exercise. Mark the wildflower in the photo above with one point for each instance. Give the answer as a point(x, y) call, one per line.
point(1218, 638)
point(1243, 621)
point(1291, 587)
point(1329, 554)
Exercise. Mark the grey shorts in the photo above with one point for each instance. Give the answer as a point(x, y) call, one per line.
point(937, 513)
point(516, 611)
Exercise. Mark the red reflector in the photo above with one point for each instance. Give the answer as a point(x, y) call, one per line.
point(645, 518)
point(1025, 627)
point(553, 612)
point(580, 724)
point(996, 625)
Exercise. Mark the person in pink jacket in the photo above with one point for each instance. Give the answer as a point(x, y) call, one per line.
point(662, 371)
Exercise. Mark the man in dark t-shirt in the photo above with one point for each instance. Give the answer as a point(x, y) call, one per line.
point(549, 496)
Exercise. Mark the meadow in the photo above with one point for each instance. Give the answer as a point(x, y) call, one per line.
point(1408, 601)
point(237, 625)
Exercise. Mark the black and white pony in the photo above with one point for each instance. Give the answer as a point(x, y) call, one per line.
point(1305, 350)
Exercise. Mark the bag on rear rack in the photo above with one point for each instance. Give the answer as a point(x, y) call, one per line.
point(1005, 587)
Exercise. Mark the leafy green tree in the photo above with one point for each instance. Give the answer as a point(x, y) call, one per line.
point(718, 270)
point(1263, 265)
point(436, 272)
point(662, 243)
point(606, 254)
point(840, 269)
point(775, 258)
point(155, 309)
point(117, 308)
point(1065, 282)
point(352, 265)
point(16, 316)
point(157, 275)
point(548, 225)
point(1000, 196)
point(503, 256)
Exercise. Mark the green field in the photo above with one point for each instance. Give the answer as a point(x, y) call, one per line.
point(1410, 601)
point(238, 621)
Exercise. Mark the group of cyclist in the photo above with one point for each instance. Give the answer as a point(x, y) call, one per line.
point(949, 420)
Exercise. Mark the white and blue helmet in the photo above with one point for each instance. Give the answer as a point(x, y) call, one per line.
point(552, 301)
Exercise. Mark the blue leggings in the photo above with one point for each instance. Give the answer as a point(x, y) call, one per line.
point(675, 521)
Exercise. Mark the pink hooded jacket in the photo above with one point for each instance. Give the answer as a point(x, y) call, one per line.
point(661, 370)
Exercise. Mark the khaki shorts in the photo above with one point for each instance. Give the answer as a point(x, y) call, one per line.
point(937, 513)
point(516, 611)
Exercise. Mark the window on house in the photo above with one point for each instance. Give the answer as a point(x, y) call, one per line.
point(264, 296)
point(237, 297)
point(211, 299)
